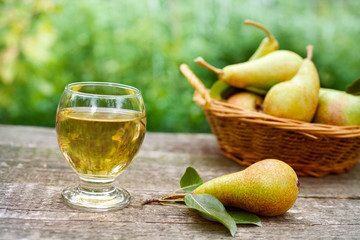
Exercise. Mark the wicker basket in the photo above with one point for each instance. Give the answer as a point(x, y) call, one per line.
point(247, 137)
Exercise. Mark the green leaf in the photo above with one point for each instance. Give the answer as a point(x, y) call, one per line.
point(243, 217)
point(354, 88)
point(190, 180)
point(212, 207)
point(239, 216)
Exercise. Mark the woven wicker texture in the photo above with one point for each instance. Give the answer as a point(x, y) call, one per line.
point(247, 137)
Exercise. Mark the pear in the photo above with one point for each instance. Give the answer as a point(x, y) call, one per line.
point(298, 98)
point(262, 73)
point(269, 187)
point(221, 90)
point(267, 45)
point(247, 100)
point(337, 108)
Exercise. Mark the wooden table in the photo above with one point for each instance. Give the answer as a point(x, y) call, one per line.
point(33, 174)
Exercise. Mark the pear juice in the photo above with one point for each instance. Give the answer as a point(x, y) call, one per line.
point(99, 143)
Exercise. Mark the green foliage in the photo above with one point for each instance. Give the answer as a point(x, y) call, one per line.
point(47, 44)
point(190, 180)
point(243, 217)
point(210, 206)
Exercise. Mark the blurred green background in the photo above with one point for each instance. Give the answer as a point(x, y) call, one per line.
point(47, 44)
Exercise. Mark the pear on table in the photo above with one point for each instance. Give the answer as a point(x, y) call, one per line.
point(337, 108)
point(269, 187)
point(298, 98)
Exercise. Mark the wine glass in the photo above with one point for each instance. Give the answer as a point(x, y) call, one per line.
point(100, 128)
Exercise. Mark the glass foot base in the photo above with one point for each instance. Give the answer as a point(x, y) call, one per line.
point(115, 199)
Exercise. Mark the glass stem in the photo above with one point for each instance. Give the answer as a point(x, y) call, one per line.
point(96, 187)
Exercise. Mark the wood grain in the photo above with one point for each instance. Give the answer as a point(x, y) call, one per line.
point(33, 173)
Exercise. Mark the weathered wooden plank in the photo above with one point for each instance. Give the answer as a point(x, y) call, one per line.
point(42, 229)
point(152, 168)
point(306, 211)
point(308, 219)
point(33, 173)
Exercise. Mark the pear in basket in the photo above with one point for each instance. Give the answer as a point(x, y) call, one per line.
point(268, 44)
point(298, 98)
point(267, 67)
point(247, 100)
point(269, 187)
point(337, 108)
point(221, 90)
point(262, 73)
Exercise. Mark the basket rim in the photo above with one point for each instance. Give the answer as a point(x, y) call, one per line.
point(313, 130)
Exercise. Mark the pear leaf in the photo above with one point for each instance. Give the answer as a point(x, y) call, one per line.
point(239, 216)
point(208, 205)
point(190, 180)
point(354, 88)
point(244, 217)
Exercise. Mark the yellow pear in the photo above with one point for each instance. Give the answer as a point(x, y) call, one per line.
point(247, 100)
point(221, 90)
point(262, 73)
point(337, 108)
point(269, 187)
point(268, 44)
point(298, 98)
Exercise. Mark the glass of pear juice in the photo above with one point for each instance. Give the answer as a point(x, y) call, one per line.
point(100, 128)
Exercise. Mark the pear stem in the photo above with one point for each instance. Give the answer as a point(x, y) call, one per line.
point(309, 50)
point(166, 198)
point(201, 62)
point(258, 25)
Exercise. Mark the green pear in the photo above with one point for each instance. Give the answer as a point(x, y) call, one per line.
point(262, 73)
point(221, 90)
point(247, 100)
point(298, 98)
point(269, 187)
point(337, 108)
